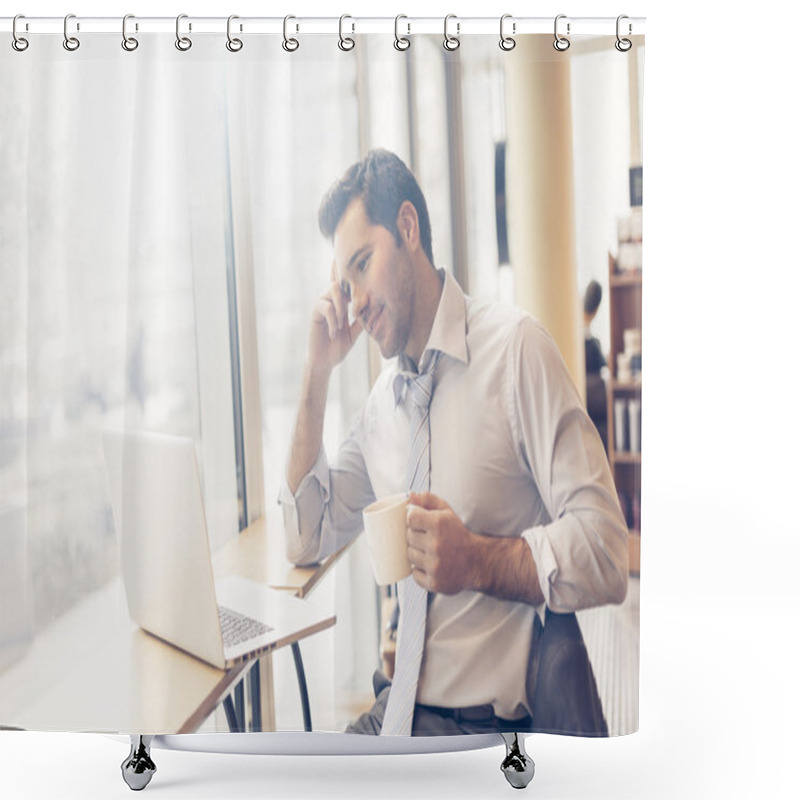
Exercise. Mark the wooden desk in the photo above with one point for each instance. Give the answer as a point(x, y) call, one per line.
point(262, 558)
point(95, 670)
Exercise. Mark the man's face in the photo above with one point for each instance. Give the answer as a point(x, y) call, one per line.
point(378, 275)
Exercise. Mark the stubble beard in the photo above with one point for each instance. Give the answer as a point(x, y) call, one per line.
point(402, 312)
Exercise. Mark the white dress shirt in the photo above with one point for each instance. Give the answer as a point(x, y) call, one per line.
point(513, 453)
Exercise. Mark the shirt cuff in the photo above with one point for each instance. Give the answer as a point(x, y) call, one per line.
point(319, 474)
point(546, 565)
point(307, 502)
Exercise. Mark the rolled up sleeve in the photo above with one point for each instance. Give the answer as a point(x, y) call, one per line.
point(324, 514)
point(581, 555)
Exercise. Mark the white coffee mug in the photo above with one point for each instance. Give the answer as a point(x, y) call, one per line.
point(385, 527)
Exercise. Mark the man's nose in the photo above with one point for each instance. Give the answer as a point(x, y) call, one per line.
point(360, 300)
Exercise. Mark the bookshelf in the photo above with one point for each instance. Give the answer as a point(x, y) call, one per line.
point(625, 398)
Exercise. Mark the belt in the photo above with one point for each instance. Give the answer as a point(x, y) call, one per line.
point(474, 714)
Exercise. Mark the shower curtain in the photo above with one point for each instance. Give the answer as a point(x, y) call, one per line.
point(160, 262)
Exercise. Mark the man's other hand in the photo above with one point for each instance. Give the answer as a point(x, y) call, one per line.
point(332, 335)
point(441, 549)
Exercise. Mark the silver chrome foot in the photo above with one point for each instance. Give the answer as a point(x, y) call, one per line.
point(138, 768)
point(518, 766)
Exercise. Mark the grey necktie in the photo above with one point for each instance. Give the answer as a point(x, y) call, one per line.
point(418, 392)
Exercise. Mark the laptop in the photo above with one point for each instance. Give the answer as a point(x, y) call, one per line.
point(160, 521)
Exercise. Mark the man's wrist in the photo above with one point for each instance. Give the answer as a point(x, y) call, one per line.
point(478, 581)
point(318, 373)
point(503, 567)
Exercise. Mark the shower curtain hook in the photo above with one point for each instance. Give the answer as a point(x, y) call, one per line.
point(401, 42)
point(345, 42)
point(623, 45)
point(451, 42)
point(70, 42)
point(18, 42)
point(289, 45)
point(561, 43)
point(129, 43)
point(234, 45)
point(507, 42)
point(183, 43)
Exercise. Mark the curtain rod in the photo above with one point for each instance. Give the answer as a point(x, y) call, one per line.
point(407, 25)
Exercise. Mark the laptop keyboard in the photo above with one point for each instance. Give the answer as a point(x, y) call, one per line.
point(237, 628)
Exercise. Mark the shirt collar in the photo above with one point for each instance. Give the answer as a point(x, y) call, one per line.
point(449, 330)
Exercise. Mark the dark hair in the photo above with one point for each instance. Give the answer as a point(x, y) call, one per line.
point(592, 297)
point(384, 183)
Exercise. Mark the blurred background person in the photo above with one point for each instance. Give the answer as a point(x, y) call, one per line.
point(596, 400)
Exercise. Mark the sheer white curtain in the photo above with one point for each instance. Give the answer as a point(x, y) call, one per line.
point(136, 189)
point(114, 303)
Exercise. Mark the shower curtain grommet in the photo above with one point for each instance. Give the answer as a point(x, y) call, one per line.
point(346, 43)
point(183, 43)
point(623, 45)
point(19, 43)
point(129, 43)
point(561, 43)
point(71, 43)
point(289, 44)
point(507, 43)
point(401, 43)
point(451, 43)
point(233, 44)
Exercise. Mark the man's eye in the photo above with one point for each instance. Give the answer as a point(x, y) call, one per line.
point(362, 265)
point(345, 289)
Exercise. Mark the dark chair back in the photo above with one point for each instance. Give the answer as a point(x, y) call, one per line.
point(561, 681)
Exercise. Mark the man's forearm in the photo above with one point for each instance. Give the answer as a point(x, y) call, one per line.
point(307, 438)
point(504, 568)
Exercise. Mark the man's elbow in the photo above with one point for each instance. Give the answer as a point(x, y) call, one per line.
point(617, 575)
point(617, 567)
point(301, 555)
point(618, 586)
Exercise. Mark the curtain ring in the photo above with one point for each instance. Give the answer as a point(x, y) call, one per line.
point(345, 42)
point(507, 42)
point(70, 42)
point(623, 45)
point(183, 43)
point(129, 43)
point(18, 42)
point(234, 45)
point(451, 42)
point(401, 42)
point(561, 44)
point(289, 45)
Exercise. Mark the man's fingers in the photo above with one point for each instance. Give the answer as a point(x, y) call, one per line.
point(416, 557)
point(416, 540)
point(419, 519)
point(427, 500)
point(328, 312)
point(339, 304)
point(355, 329)
point(420, 575)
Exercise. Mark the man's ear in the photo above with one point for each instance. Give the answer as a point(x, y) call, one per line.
point(408, 224)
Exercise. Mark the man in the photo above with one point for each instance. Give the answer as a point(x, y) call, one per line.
point(522, 512)
point(596, 400)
